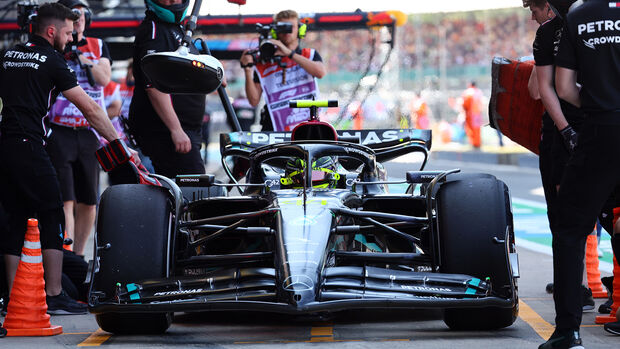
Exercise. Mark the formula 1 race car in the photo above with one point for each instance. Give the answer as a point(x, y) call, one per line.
point(314, 229)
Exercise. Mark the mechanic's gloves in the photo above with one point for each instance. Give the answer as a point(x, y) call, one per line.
point(113, 154)
point(116, 159)
point(570, 138)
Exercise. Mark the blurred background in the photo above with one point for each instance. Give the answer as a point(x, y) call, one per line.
point(414, 78)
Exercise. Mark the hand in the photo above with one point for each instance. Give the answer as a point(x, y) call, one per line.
point(246, 59)
point(71, 55)
point(570, 138)
point(181, 141)
point(282, 50)
point(134, 156)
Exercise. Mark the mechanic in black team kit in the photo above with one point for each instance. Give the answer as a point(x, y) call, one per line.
point(590, 47)
point(72, 143)
point(28, 183)
point(167, 127)
point(561, 120)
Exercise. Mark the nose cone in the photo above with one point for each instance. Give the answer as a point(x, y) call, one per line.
point(304, 236)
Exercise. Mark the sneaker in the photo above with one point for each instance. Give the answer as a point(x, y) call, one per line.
point(586, 299)
point(5, 305)
point(605, 308)
point(64, 305)
point(613, 327)
point(564, 339)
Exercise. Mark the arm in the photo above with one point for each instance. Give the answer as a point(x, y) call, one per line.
point(114, 109)
point(532, 85)
point(566, 85)
point(162, 103)
point(96, 117)
point(101, 71)
point(253, 90)
point(316, 69)
point(549, 97)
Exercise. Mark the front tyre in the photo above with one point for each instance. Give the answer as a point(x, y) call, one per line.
point(473, 215)
point(135, 220)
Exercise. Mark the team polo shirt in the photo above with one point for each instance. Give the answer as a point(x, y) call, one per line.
point(154, 35)
point(591, 45)
point(32, 75)
point(546, 47)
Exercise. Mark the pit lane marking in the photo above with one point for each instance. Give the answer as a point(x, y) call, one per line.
point(536, 322)
point(96, 339)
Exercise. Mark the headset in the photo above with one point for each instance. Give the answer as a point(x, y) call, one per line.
point(88, 16)
point(301, 31)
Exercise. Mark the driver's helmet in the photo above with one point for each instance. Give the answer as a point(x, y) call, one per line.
point(324, 173)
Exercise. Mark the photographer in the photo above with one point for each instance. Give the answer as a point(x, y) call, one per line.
point(28, 183)
point(296, 70)
point(167, 127)
point(72, 144)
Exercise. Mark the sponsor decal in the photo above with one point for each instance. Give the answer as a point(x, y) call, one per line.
point(178, 292)
point(26, 56)
point(425, 288)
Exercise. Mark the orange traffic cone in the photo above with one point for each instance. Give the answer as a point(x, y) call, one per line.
point(27, 310)
point(594, 275)
point(603, 319)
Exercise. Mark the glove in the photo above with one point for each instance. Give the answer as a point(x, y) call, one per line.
point(570, 138)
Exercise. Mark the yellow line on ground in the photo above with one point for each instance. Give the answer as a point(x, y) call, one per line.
point(542, 327)
point(321, 339)
point(95, 339)
point(322, 331)
point(591, 325)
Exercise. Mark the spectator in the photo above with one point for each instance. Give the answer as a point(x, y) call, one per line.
point(167, 128)
point(72, 144)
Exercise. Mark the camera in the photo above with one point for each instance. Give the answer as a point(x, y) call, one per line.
point(267, 49)
point(26, 11)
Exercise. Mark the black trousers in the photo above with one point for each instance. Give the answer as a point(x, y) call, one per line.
point(29, 189)
point(167, 162)
point(546, 165)
point(590, 177)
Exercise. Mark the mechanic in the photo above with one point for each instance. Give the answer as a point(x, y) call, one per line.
point(29, 186)
point(589, 47)
point(561, 120)
point(72, 143)
point(166, 127)
point(302, 67)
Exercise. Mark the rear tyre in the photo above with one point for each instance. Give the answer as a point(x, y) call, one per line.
point(473, 210)
point(135, 220)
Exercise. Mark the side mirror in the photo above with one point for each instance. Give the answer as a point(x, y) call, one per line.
point(180, 72)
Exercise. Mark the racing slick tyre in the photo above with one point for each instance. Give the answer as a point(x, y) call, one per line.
point(135, 220)
point(474, 217)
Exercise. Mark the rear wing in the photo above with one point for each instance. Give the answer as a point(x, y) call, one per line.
point(386, 143)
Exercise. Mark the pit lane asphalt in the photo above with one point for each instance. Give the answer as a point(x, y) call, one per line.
point(356, 329)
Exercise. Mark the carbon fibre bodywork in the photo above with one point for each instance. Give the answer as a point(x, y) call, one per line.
point(308, 250)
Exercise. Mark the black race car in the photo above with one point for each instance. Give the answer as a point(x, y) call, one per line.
point(315, 230)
